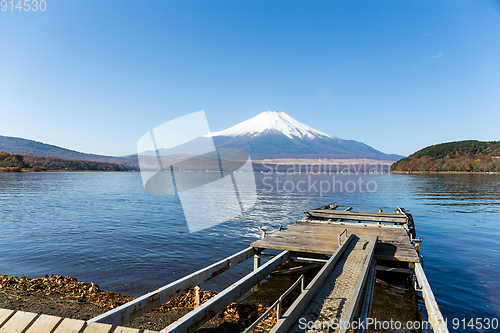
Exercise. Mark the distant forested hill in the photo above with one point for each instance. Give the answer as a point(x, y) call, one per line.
point(27, 147)
point(469, 156)
point(18, 163)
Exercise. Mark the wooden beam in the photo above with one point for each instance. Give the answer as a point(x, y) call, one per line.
point(394, 269)
point(70, 326)
point(126, 330)
point(196, 318)
point(437, 320)
point(98, 328)
point(264, 256)
point(351, 223)
point(290, 316)
point(346, 212)
point(4, 315)
point(18, 322)
point(297, 269)
point(44, 324)
point(309, 260)
point(356, 216)
point(133, 309)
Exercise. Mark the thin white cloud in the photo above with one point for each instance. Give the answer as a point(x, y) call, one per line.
point(439, 55)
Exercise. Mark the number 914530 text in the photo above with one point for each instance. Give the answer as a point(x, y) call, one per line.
point(23, 5)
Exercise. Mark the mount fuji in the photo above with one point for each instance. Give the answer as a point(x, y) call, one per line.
point(276, 135)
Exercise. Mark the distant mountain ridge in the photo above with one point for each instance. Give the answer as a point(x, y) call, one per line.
point(273, 134)
point(28, 147)
point(269, 135)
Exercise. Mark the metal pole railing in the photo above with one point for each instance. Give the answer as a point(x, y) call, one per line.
point(343, 232)
point(439, 324)
point(278, 304)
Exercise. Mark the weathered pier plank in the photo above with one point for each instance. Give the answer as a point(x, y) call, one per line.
point(358, 216)
point(70, 326)
point(26, 322)
point(18, 322)
point(4, 315)
point(127, 330)
point(44, 324)
point(98, 328)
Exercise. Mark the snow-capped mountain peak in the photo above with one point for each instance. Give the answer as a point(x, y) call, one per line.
point(272, 122)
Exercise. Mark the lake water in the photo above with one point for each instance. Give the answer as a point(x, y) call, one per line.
point(103, 227)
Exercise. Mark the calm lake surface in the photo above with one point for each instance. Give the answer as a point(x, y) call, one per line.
point(104, 228)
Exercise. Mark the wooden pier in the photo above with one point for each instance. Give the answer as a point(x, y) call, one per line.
point(337, 290)
point(26, 322)
point(348, 246)
point(321, 238)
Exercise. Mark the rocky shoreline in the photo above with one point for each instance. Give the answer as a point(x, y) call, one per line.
point(447, 172)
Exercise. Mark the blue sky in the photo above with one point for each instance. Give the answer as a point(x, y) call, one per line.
point(94, 76)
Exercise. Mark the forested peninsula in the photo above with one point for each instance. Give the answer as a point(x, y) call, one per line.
point(17, 163)
point(459, 156)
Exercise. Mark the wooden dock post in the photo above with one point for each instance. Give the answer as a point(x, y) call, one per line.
point(197, 296)
point(256, 259)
